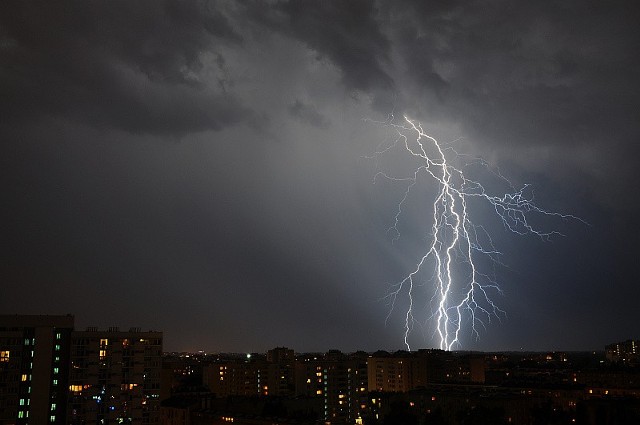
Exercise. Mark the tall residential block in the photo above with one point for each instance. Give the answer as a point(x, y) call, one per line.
point(115, 377)
point(340, 380)
point(34, 368)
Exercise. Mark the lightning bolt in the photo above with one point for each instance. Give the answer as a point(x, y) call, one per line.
point(461, 291)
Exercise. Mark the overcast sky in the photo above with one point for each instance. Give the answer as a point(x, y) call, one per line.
point(204, 168)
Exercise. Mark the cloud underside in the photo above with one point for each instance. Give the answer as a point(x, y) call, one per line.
point(543, 74)
point(267, 200)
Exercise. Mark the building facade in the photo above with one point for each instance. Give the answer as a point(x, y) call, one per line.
point(34, 368)
point(115, 377)
point(626, 352)
point(270, 376)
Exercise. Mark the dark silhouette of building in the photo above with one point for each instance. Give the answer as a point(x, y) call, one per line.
point(626, 352)
point(115, 377)
point(34, 368)
point(253, 375)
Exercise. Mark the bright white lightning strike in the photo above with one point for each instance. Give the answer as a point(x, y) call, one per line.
point(461, 292)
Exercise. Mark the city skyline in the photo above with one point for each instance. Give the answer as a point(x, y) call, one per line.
point(205, 168)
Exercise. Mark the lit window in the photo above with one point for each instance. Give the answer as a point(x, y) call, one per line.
point(22, 402)
point(58, 335)
point(20, 414)
point(52, 418)
point(57, 347)
point(24, 377)
point(56, 370)
point(104, 342)
point(4, 355)
point(55, 382)
point(53, 407)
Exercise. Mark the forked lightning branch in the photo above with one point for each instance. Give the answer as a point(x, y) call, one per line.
point(457, 247)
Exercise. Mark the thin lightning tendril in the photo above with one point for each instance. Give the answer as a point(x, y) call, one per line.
point(455, 238)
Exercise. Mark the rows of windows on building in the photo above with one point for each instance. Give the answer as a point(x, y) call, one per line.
point(53, 374)
point(363, 388)
point(343, 382)
point(626, 352)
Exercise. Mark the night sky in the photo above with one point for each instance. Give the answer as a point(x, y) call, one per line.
point(201, 168)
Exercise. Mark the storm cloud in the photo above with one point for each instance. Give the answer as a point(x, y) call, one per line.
point(204, 168)
point(130, 66)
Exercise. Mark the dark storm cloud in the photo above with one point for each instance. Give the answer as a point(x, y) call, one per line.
point(308, 114)
point(543, 73)
point(269, 230)
point(540, 74)
point(347, 33)
point(129, 65)
point(548, 85)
